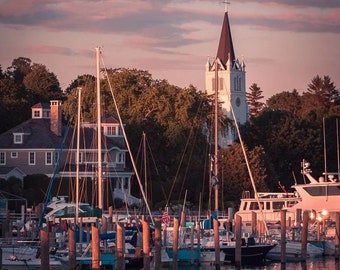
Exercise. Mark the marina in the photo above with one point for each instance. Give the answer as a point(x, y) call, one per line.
point(299, 229)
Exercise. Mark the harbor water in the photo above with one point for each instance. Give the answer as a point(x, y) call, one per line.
point(312, 264)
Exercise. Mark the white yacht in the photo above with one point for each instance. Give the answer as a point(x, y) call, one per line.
point(321, 196)
point(267, 206)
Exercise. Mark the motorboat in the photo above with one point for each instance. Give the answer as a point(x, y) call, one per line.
point(267, 206)
point(321, 196)
point(294, 252)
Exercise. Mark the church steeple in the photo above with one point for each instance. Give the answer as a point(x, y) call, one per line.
point(231, 76)
point(225, 49)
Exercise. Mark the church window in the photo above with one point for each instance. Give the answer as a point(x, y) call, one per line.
point(220, 84)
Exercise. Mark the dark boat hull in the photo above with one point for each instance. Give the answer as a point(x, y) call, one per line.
point(255, 254)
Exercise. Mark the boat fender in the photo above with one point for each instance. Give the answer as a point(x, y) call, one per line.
point(13, 258)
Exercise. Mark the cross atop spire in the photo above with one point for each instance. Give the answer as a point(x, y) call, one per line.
point(226, 3)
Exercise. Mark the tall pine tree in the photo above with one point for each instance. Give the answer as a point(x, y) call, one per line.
point(253, 100)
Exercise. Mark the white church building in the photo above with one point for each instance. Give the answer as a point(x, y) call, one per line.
point(230, 80)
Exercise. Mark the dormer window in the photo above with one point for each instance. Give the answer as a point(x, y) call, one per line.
point(111, 130)
point(18, 138)
point(37, 113)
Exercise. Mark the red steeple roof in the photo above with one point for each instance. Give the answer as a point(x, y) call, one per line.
point(225, 47)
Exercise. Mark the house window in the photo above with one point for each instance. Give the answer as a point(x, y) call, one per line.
point(18, 138)
point(31, 158)
point(2, 158)
point(14, 154)
point(111, 130)
point(36, 114)
point(48, 158)
point(120, 158)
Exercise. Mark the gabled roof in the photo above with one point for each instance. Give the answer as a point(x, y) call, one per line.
point(225, 47)
point(108, 118)
point(43, 105)
point(38, 135)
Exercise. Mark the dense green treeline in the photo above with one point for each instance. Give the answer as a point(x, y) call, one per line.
point(279, 134)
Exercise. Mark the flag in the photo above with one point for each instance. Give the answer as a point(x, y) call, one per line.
point(165, 217)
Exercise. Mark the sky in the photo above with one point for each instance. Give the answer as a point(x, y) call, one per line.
point(284, 43)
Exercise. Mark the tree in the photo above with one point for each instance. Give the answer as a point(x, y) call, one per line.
point(319, 100)
point(19, 69)
point(14, 107)
point(253, 100)
point(286, 139)
point(285, 101)
point(236, 178)
point(22, 85)
point(42, 85)
point(324, 89)
point(171, 117)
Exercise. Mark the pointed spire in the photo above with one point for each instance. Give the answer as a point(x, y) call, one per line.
point(225, 47)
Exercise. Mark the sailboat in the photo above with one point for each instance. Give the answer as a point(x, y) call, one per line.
point(59, 209)
point(252, 251)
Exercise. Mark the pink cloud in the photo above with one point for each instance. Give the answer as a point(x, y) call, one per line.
point(57, 50)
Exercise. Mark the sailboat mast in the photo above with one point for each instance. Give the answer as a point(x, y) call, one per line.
point(216, 135)
point(99, 134)
point(78, 154)
point(145, 165)
point(337, 147)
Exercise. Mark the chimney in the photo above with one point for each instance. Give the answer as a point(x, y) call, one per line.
point(55, 117)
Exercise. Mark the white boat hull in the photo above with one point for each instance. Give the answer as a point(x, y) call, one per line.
point(293, 252)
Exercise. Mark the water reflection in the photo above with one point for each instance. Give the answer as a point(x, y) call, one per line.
point(315, 264)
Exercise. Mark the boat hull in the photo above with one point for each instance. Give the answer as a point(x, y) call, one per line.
point(185, 255)
point(250, 255)
point(293, 252)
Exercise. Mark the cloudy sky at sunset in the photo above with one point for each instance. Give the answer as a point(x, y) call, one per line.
point(284, 43)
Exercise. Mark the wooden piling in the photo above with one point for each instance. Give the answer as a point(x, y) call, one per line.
point(238, 236)
point(217, 243)
point(198, 232)
point(304, 236)
point(71, 248)
point(337, 236)
point(158, 243)
point(110, 221)
point(183, 219)
point(103, 228)
point(192, 248)
point(95, 248)
point(45, 249)
point(146, 244)
point(175, 243)
point(253, 223)
point(120, 246)
point(283, 236)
